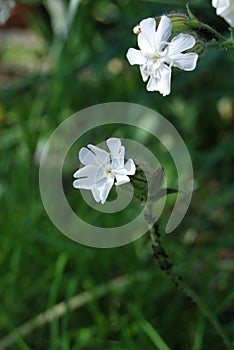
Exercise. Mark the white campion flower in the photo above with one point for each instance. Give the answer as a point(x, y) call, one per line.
point(156, 55)
point(102, 169)
point(225, 9)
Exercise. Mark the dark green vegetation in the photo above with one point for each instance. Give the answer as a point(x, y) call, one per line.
point(45, 78)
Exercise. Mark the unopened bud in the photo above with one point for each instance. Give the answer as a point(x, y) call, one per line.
point(137, 29)
point(186, 25)
point(180, 23)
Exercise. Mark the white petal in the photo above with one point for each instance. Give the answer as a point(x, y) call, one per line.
point(144, 75)
point(117, 163)
point(152, 84)
point(101, 156)
point(95, 194)
point(180, 43)
point(146, 38)
point(230, 19)
point(121, 171)
point(101, 173)
point(81, 183)
point(185, 61)
point(114, 145)
point(135, 57)
point(165, 81)
point(130, 167)
point(86, 156)
point(163, 85)
point(163, 31)
point(102, 189)
point(215, 3)
point(106, 190)
point(86, 177)
point(97, 189)
point(86, 171)
point(148, 30)
point(228, 15)
point(221, 5)
point(118, 160)
point(117, 152)
point(121, 179)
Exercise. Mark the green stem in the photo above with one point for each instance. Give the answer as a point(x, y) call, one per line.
point(220, 42)
point(162, 258)
point(232, 35)
point(211, 30)
point(219, 45)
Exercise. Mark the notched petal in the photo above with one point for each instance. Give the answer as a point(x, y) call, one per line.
point(103, 188)
point(144, 74)
point(186, 61)
point(130, 167)
point(181, 43)
point(85, 177)
point(147, 35)
point(152, 84)
point(163, 31)
point(121, 179)
point(86, 157)
point(135, 57)
point(114, 145)
point(101, 156)
point(163, 85)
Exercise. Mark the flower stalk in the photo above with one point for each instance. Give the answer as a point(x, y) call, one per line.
point(162, 258)
point(210, 30)
point(232, 35)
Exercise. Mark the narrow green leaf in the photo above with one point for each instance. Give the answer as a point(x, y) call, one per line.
point(154, 335)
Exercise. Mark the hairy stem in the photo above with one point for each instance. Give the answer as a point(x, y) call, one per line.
point(219, 45)
point(219, 41)
point(212, 31)
point(165, 265)
point(232, 35)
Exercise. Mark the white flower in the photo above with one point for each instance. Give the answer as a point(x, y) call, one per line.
point(156, 55)
point(225, 9)
point(103, 168)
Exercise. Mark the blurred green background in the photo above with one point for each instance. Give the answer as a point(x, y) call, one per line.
point(56, 58)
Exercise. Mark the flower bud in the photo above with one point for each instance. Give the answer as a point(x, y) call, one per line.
point(137, 29)
point(184, 24)
point(180, 23)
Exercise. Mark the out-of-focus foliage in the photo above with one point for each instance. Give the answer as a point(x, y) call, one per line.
point(50, 69)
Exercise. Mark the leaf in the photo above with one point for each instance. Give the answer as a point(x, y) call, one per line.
point(154, 336)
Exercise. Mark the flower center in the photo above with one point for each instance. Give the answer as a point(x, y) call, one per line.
point(109, 172)
point(153, 64)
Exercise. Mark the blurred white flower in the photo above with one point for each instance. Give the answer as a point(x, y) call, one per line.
point(102, 168)
point(5, 10)
point(225, 9)
point(156, 55)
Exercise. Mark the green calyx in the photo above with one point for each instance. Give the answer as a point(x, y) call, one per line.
point(180, 23)
point(188, 25)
